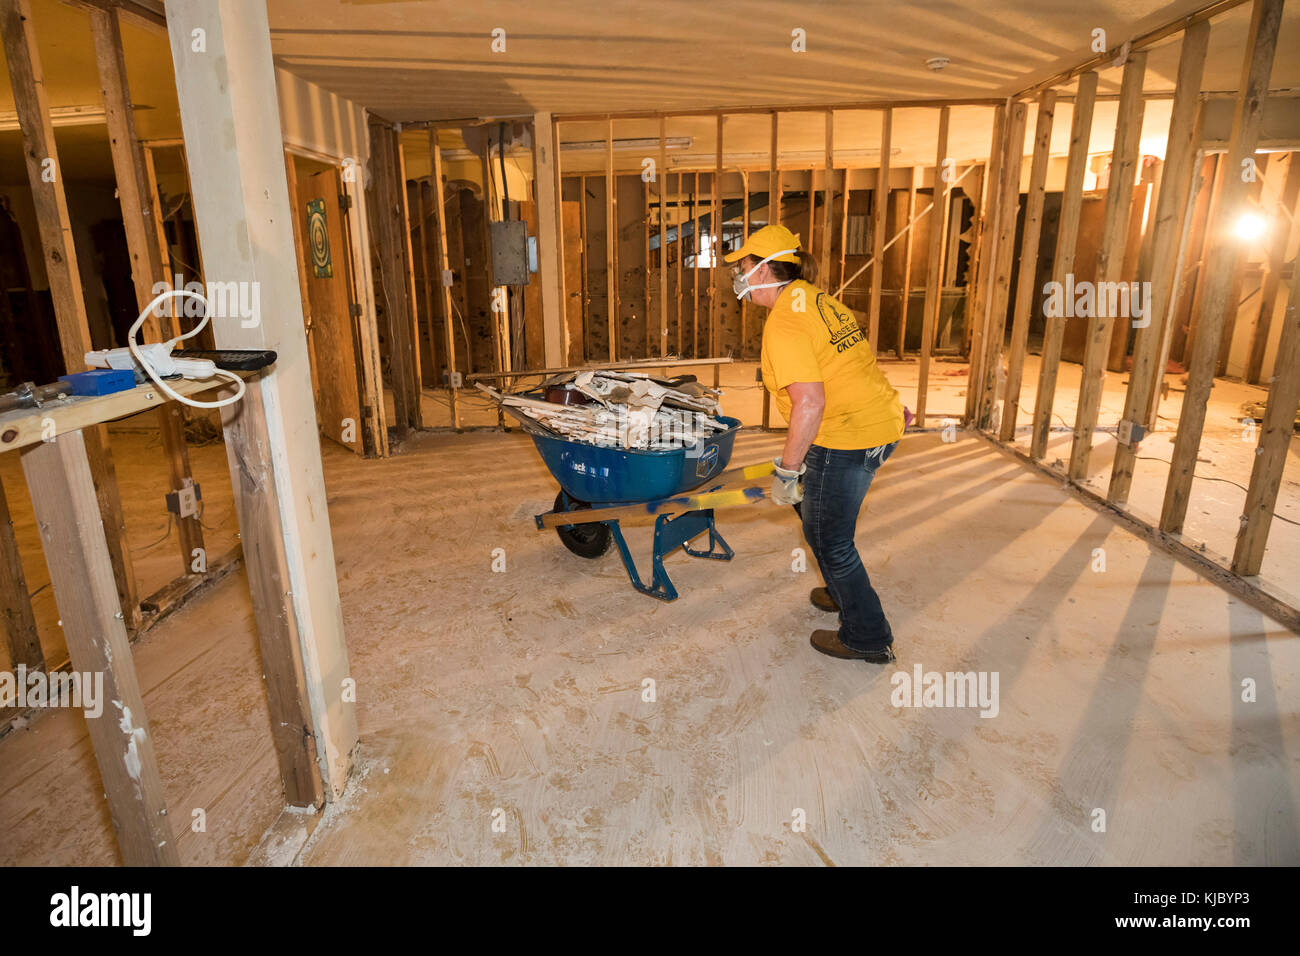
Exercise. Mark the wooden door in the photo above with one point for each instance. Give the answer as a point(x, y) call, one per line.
point(331, 327)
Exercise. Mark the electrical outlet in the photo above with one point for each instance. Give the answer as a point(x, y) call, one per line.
point(187, 502)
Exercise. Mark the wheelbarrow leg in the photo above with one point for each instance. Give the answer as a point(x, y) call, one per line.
point(671, 534)
point(661, 586)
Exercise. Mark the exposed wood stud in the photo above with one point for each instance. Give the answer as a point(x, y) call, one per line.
point(45, 176)
point(879, 210)
point(1252, 93)
point(1166, 229)
point(81, 574)
point(661, 345)
point(934, 266)
point(999, 290)
point(1067, 237)
point(1282, 207)
point(611, 243)
point(1275, 438)
point(1026, 293)
point(1110, 258)
point(444, 269)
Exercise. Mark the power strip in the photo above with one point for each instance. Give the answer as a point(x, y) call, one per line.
point(160, 358)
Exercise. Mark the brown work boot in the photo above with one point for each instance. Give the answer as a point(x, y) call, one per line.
point(829, 643)
point(822, 600)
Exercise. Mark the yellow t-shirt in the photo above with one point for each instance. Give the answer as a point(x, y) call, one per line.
point(810, 336)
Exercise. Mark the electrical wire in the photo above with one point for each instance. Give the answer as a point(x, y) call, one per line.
point(1226, 481)
point(152, 373)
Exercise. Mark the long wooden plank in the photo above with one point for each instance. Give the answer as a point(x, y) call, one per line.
point(908, 246)
point(717, 497)
point(695, 272)
point(774, 176)
point(410, 337)
point(81, 574)
point(496, 303)
point(1110, 258)
point(1282, 208)
point(999, 291)
point(981, 269)
point(1251, 94)
point(879, 209)
point(1166, 227)
point(844, 234)
point(1275, 438)
point(611, 243)
point(551, 260)
point(584, 246)
point(249, 452)
point(827, 201)
point(715, 246)
point(45, 176)
point(16, 617)
point(138, 221)
point(661, 346)
point(242, 209)
point(444, 271)
point(1067, 237)
point(934, 267)
point(1026, 293)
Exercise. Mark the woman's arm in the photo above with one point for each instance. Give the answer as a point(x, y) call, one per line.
point(807, 403)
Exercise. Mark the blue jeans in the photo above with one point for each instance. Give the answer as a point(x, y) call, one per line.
point(833, 488)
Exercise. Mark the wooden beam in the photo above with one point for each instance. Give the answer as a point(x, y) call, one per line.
point(1067, 237)
point(774, 178)
point(410, 337)
point(444, 270)
point(754, 110)
point(715, 247)
point(844, 232)
point(45, 175)
point(1026, 293)
point(1107, 57)
point(551, 262)
point(560, 258)
point(695, 272)
point(914, 175)
point(1110, 258)
point(426, 281)
point(681, 246)
point(1280, 213)
point(81, 574)
point(1166, 228)
point(879, 209)
point(999, 291)
point(744, 233)
point(981, 269)
point(499, 316)
point(583, 247)
point(16, 617)
point(611, 243)
point(1253, 90)
point(1275, 438)
point(138, 205)
point(934, 266)
point(828, 202)
point(662, 184)
point(233, 131)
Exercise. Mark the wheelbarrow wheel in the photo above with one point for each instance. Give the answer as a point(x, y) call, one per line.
point(588, 540)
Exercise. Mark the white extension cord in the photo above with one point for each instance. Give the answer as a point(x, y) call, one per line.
point(156, 358)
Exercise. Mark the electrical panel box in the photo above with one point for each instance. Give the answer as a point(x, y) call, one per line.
point(510, 253)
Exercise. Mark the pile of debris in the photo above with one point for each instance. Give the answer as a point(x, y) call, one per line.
point(618, 409)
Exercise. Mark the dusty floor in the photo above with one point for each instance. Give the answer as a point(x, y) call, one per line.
point(516, 697)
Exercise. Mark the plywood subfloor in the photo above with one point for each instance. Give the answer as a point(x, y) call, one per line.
point(517, 696)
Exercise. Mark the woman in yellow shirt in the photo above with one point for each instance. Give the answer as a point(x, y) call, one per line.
point(845, 420)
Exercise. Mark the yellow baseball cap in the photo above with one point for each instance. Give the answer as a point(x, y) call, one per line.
point(767, 242)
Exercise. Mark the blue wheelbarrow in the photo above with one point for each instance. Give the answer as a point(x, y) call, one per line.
point(609, 484)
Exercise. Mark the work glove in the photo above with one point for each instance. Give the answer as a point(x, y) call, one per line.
point(787, 485)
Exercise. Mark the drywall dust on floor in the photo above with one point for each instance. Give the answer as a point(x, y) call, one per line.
point(504, 715)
